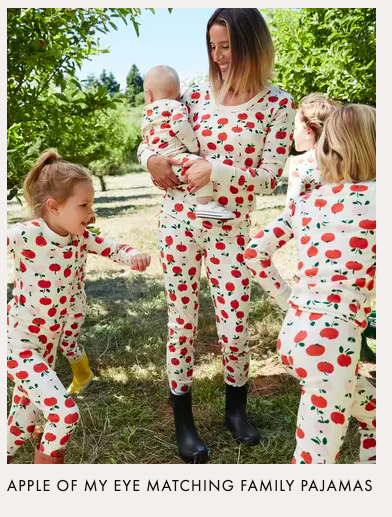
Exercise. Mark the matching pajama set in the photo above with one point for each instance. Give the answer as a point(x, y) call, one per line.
point(247, 146)
point(48, 306)
point(320, 340)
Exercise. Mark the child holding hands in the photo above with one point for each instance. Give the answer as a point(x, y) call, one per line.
point(320, 340)
point(50, 253)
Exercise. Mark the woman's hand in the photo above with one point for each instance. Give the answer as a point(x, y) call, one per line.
point(198, 174)
point(160, 169)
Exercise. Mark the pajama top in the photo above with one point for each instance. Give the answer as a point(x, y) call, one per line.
point(166, 130)
point(334, 228)
point(47, 269)
point(247, 145)
point(304, 176)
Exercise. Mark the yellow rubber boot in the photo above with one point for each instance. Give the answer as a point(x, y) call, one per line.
point(82, 375)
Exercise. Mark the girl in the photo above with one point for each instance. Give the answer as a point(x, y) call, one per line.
point(244, 127)
point(49, 254)
point(320, 340)
point(304, 175)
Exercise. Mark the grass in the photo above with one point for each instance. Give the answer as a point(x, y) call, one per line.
point(125, 414)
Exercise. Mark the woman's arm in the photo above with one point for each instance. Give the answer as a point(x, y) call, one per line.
point(258, 257)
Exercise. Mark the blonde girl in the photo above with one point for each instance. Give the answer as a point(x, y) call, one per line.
point(334, 228)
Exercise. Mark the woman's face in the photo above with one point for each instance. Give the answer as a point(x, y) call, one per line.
point(220, 48)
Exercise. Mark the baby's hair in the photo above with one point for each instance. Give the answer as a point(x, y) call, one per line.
point(347, 147)
point(164, 82)
point(314, 109)
point(51, 177)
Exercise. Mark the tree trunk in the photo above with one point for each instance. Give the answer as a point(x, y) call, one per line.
point(103, 184)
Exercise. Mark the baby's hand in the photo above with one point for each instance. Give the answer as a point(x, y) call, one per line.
point(140, 262)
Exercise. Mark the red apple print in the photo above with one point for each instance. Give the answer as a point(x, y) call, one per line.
point(250, 253)
point(52, 311)
point(312, 251)
point(353, 265)
point(315, 350)
point(358, 243)
point(300, 336)
point(250, 149)
point(45, 301)
point(338, 418)
point(280, 135)
point(228, 148)
point(71, 418)
point(333, 254)
point(53, 417)
point(338, 188)
point(181, 247)
point(25, 354)
point(311, 271)
point(329, 333)
point(11, 364)
point(67, 272)
point(305, 239)
point(278, 232)
point(336, 278)
point(367, 224)
point(50, 401)
point(301, 372)
point(175, 361)
point(300, 433)
point(69, 402)
point(54, 267)
point(106, 252)
point(328, 237)
point(344, 360)
point(325, 367)
point(369, 443)
point(230, 287)
point(33, 329)
point(178, 207)
point(222, 137)
point(220, 246)
point(206, 132)
point(319, 401)
point(281, 150)
point(223, 200)
point(22, 375)
point(22, 267)
point(50, 437)
point(306, 221)
point(40, 241)
point(15, 430)
point(44, 284)
point(40, 367)
point(358, 188)
point(29, 254)
point(319, 203)
point(371, 405)
point(337, 207)
point(334, 298)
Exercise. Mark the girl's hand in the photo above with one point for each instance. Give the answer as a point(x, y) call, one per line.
point(198, 174)
point(140, 262)
point(160, 169)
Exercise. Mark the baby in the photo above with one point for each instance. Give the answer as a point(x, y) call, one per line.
point(166, 130)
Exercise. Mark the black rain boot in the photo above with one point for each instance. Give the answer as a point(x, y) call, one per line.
point(190, 447)
point(236, 418)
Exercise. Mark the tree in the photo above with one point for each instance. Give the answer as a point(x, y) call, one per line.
point(134, 84)
point(45, 49)
point(332, 50)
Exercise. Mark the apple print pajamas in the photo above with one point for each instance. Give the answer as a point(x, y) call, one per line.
point(248, 146)
point(48, 269)
point(320, 340)
point(304, 176)
point(167, 131)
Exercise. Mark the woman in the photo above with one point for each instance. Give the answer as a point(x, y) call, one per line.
point(244, 126)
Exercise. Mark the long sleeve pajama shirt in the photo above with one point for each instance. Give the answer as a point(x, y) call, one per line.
point(247, 146)
point(47, 276)
point(320, 340)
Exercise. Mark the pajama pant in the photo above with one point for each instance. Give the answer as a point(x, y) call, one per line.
point(68, 343)
point(37, 388)
point(182, 248)
point(207, 190)
point(323, 353)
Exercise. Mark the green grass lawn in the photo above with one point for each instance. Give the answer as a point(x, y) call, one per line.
point(125, 414)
